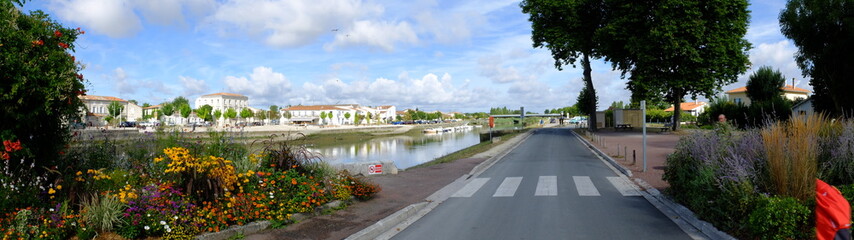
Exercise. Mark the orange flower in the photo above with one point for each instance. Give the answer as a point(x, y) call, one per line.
point(294, 181)
point(57, 33)
point(5, 156)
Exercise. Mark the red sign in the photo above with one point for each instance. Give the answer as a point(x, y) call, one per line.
point(375, 169)
point(491, 122)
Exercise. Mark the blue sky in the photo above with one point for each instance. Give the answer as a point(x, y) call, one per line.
point(462, 56)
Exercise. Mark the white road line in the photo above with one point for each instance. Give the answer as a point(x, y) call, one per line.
point(508, 187)
point(625, 188)
point(546, 186)
point(585, 186)
point(471, 187)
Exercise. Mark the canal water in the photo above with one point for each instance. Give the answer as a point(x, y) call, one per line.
point(404, 151)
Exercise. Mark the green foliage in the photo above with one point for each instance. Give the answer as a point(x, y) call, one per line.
point(585, 97)
point(781, 218)
point(102, 213)
point(167, 109)
point(261, 115)
point(181, 232)
point(823, 32)
point(274, 112)
point(185, 111)
point(347, 115)
point(204, 112)
point(323, 116)
point(230, 113)
point(180, 101)
point(703, 40)
point(658, 115)
point(115, 109)
point(217, 114)
point(39, 88)
point(245, 113)
point(764, 84)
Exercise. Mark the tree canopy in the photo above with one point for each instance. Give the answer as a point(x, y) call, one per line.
point(39, 88)
point(246, 113)
point(586, 98)
point(204, 112)
point(114, 110)
point(823, 31)
point(764, 84)
point(570, 30)
point(679, 48)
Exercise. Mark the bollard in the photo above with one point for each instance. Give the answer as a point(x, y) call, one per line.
point(634, 158)
point(625, 153)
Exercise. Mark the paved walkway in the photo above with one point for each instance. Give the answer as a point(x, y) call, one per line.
point(659, 145)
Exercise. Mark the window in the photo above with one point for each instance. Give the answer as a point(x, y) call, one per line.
point(737, 100)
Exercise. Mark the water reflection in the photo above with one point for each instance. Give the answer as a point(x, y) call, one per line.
point(404, 151)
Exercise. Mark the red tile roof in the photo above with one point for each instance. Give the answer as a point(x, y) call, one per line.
point(687, 106)
point(100, 98)
point(225, 94)
point(787, 88)
point(153, 107)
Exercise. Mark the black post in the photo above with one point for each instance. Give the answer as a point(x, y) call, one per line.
point(634, 158)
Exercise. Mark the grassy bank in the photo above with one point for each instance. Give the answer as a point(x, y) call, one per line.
point(466, 152)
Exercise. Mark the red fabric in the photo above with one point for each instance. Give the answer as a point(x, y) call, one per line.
point(832, 211)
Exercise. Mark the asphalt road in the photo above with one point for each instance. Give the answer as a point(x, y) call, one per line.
point(550, 187)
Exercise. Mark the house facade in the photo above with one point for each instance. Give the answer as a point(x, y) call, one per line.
point(693, 108)
point(739, 95)
point(97, 109)
point(222, 102)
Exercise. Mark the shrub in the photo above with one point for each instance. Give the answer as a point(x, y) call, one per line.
point(781, 218)
point(281, 156)
point(204, 177)
point(361, 188)
point(102, 213)
point(792, 150)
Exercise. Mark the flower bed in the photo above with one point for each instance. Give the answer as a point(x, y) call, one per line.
point(170, 187)
point(760, 183)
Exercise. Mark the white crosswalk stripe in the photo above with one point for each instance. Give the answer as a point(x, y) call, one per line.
point(625, 188)
point(471, 187)
point(508, 187)
point(585, 186)
point(546, 186)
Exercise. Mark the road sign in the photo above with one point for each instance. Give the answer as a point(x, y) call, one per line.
point(491, 122)
point(375, 169)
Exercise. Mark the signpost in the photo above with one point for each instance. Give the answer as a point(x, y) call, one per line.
point(375, 169)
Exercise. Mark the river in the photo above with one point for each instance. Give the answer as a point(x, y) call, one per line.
point(404, 151)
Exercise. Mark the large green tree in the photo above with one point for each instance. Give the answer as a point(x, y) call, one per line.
point(678, 48)
point(246, 113)
point(39, 89)
point(167, 109)
point(274, 112)
point(823, 31)
point(217, 114)
point(764, 84)
point(569, 29)
point(179, 101)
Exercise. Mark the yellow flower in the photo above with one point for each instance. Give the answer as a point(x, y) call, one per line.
point(58, 187)
point(79, 173)
point(51, 191)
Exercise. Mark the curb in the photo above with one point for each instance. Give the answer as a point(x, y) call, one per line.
point(389, 226)
point(596, 150)
point(255, 227)
point(683, 217)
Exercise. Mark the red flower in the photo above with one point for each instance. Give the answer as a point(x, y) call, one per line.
point(62, 45)
point(80, 76)
point(5, 156)
point(38, 42)
point(57, 33)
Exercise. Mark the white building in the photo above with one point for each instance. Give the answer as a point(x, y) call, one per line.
point(223, 101)
point(337, 114)
point(97, 109)
point(387, 113)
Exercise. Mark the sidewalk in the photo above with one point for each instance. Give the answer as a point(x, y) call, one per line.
point(658, 146)
point(398, 191)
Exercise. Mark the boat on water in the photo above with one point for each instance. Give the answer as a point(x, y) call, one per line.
point(431, 130)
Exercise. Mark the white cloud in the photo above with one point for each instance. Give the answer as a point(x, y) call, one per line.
point(123, 84)
point(263, 87)
point(119, 18)
point(114, 18)
point(427, 92)
point(193, 86)
point(779, 56)
point(382, 35)
point(492, 68)
point(292, 22)
point(448, 27)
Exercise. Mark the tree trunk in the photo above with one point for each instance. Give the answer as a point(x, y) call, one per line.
point(678, 94)
point(591, 105)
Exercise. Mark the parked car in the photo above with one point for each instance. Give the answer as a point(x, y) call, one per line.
point(127, 124)
point(78, 125)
